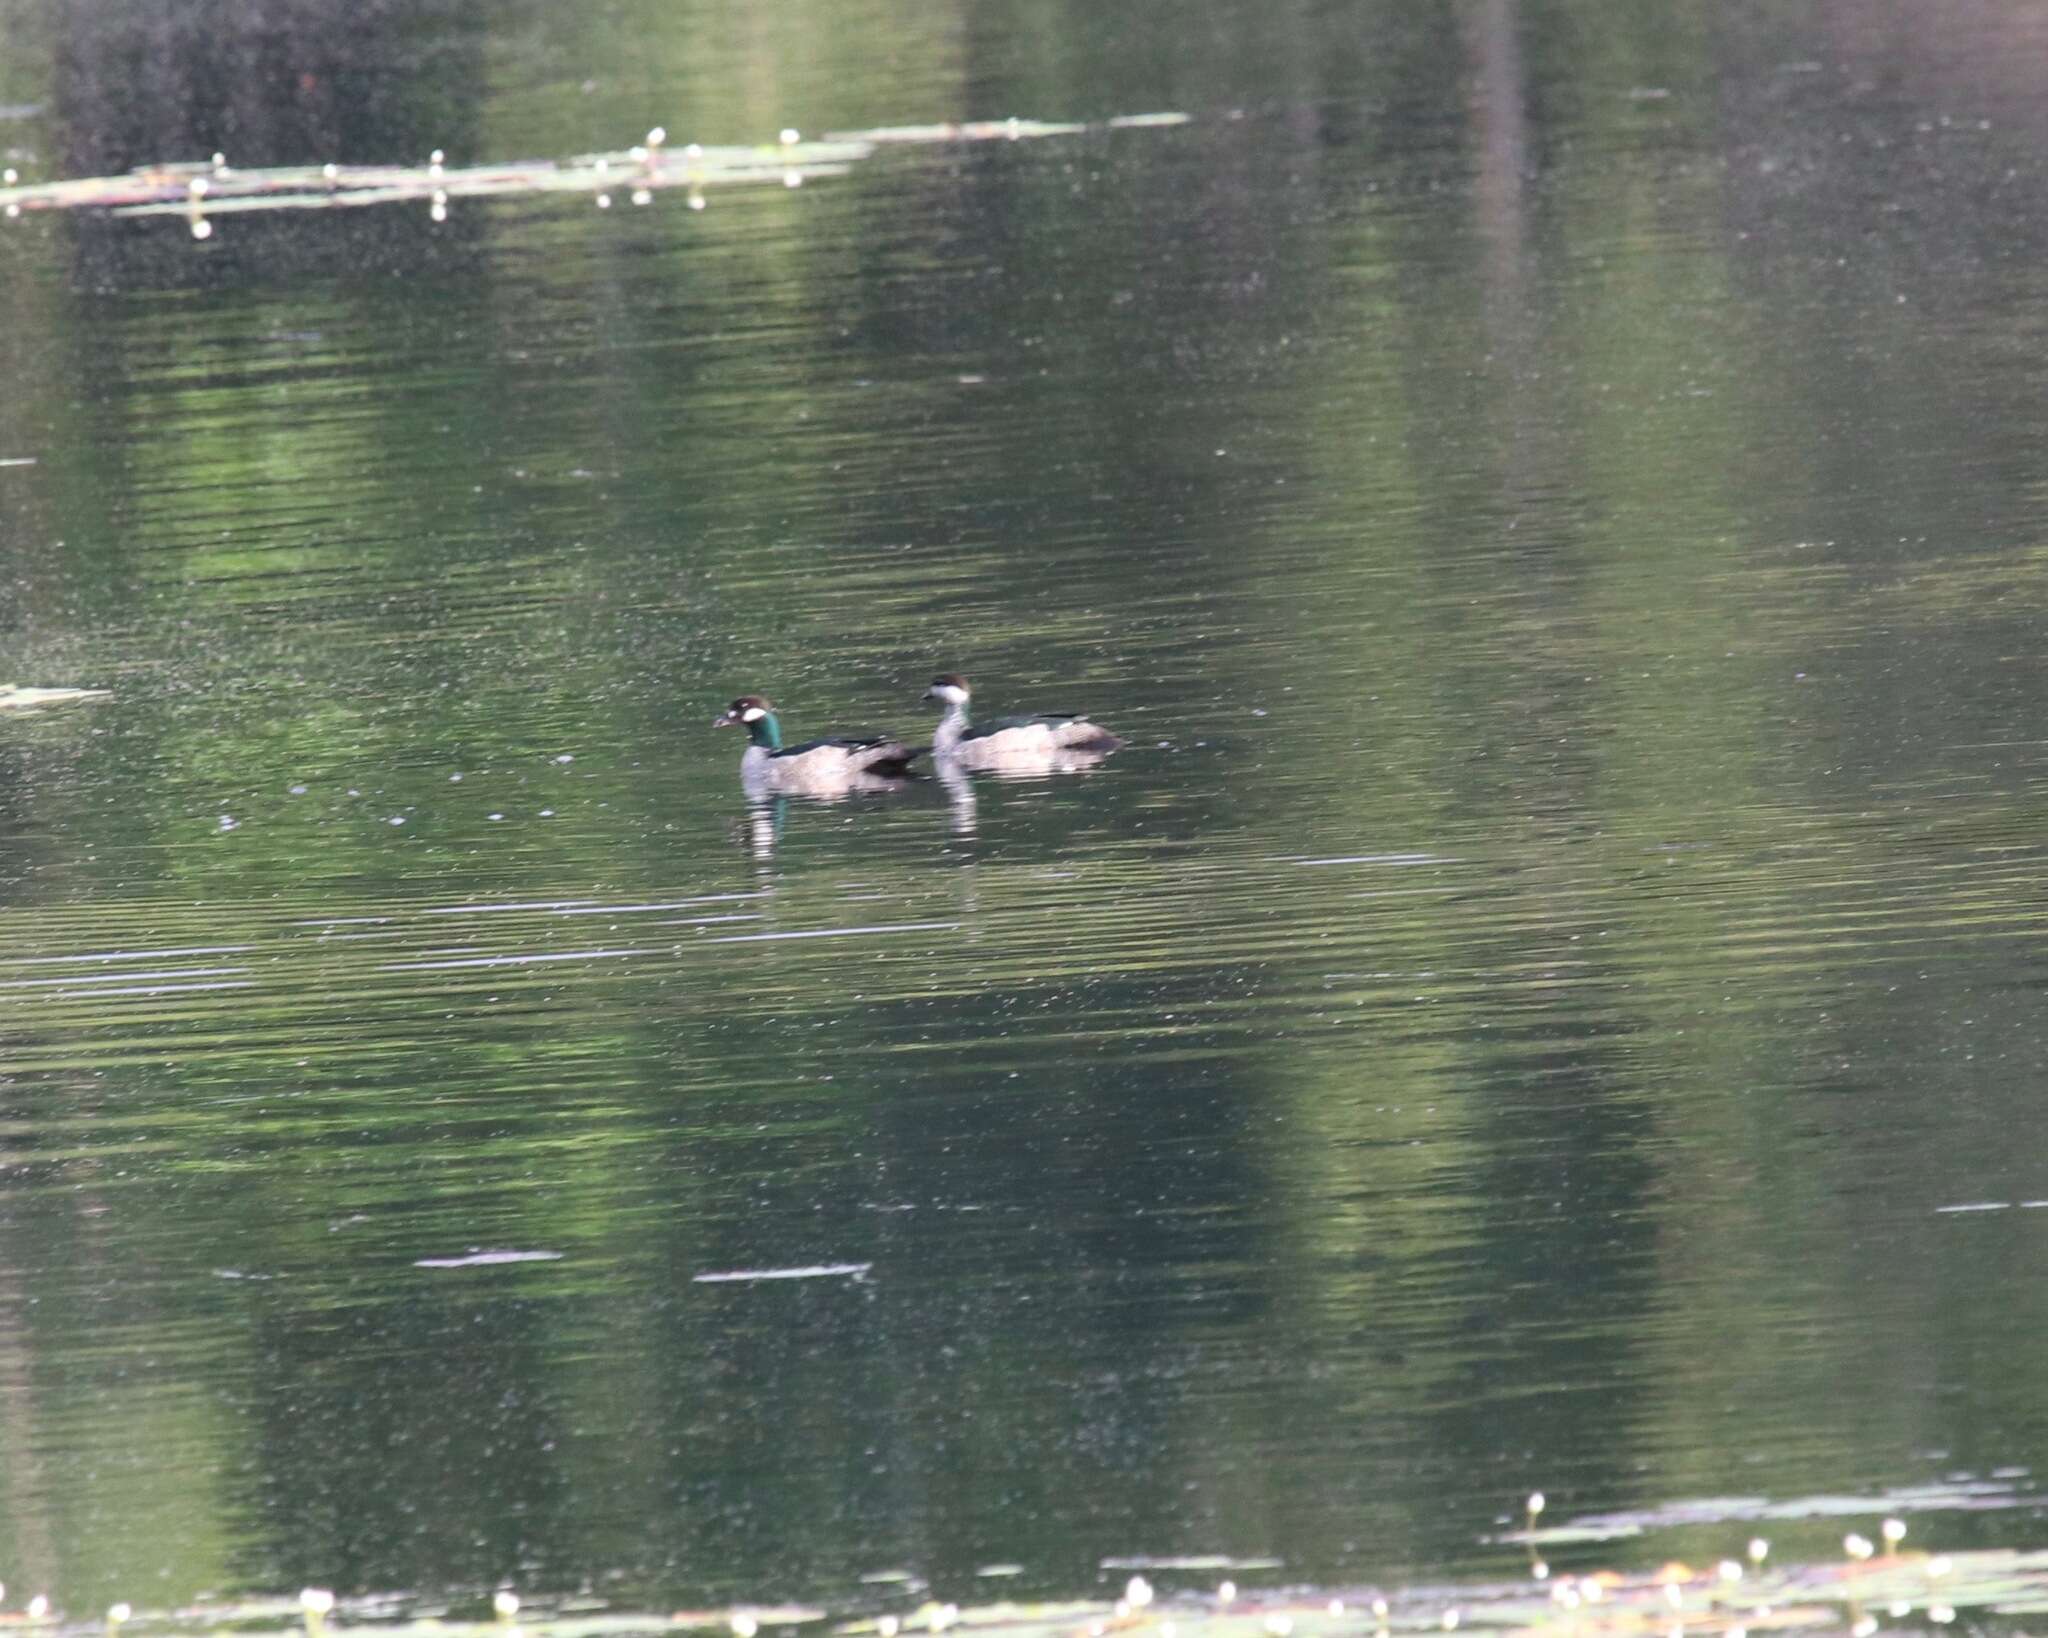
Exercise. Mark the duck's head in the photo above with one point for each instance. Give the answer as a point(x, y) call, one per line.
point(949, 688)
point(757, 716)
point(745, 711)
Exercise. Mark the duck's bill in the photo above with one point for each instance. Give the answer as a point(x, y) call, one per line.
point(724, 719)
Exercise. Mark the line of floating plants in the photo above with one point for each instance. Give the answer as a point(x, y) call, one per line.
point(206, 189)
point(1875, 1587)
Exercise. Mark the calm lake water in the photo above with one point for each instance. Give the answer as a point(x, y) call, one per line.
point(1553, 494)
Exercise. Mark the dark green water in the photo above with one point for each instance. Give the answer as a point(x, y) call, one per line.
point(1554, 496)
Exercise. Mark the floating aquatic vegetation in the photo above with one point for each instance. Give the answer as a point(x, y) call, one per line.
point(1948, 1496)
point(1857, 1594)
point(206, 189)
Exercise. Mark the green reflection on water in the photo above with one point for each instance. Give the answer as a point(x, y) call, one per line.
point(1564, 925)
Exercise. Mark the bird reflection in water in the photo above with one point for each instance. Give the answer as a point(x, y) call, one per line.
point(962, 802)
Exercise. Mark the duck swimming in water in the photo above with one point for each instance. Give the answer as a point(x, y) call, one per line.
point(818, 767)
point(1051, 743)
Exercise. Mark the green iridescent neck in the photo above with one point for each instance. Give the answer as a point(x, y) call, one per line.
point(764, 732)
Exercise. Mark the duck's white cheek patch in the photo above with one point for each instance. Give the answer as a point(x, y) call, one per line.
point(752, 713)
